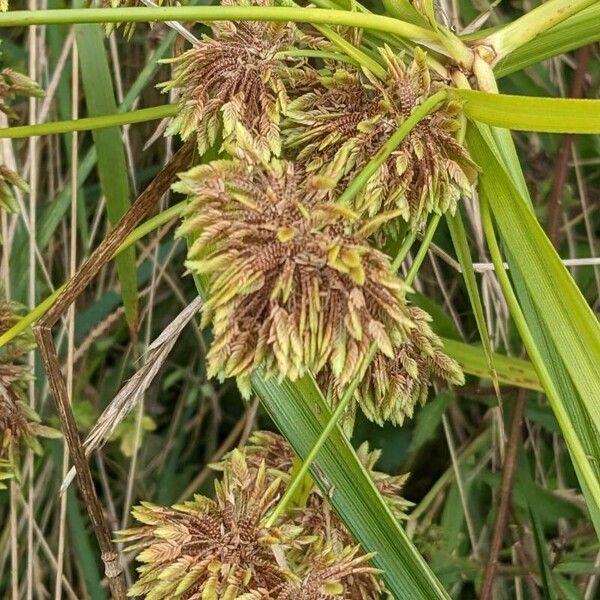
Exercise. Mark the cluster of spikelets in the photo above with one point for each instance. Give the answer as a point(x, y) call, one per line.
point(225, 548)
point(338, 125)
point(393, 385)
point(294, 282)
point(19, 424)
point(237, 81)
point(13, 84)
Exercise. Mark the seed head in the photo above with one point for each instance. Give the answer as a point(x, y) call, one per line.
point(292, 284)
point(235, 80)
point(330, 574)
point(392, 387)
point(338, 127)
point(212, 549)
point(330, 565)
point(8, 181)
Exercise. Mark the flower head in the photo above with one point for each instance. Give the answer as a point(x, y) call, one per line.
point(8, 181)
point(292, 284)
point(13, 84)
point(233, 81)
point(222, 549)
point(338, 126)
point(392, 387)
point(330, 564)
point(213, 549)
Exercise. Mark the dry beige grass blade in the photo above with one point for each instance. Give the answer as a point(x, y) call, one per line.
point(125, 400)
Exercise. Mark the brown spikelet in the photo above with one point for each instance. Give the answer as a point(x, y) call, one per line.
point(392, 387)
point(291, 285)
point(233, 83)
point(212, 549)
point(337, 128)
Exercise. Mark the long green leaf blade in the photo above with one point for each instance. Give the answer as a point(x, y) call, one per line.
point(509, 370)
point(461, 247)
point(112, 166)
point(564, 329)
point(526, 113)
point(575, 32)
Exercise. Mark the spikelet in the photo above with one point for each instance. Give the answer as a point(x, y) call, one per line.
point(337, 127)
point(8, 181)
point(327, 573)
point(292, 286)
point(13, 84)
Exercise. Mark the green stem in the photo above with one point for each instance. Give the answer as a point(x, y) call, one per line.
point(150, 225)
point(575, 447)
point(88, 123)
point(137, 234)
point(357, 184)
point(20, 18)
point(301, 473)
point(31, 317)
point(420, 257)
point(407, 243)
point(534, 23)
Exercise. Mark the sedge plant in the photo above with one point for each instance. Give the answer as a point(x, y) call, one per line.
point(332, 145)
